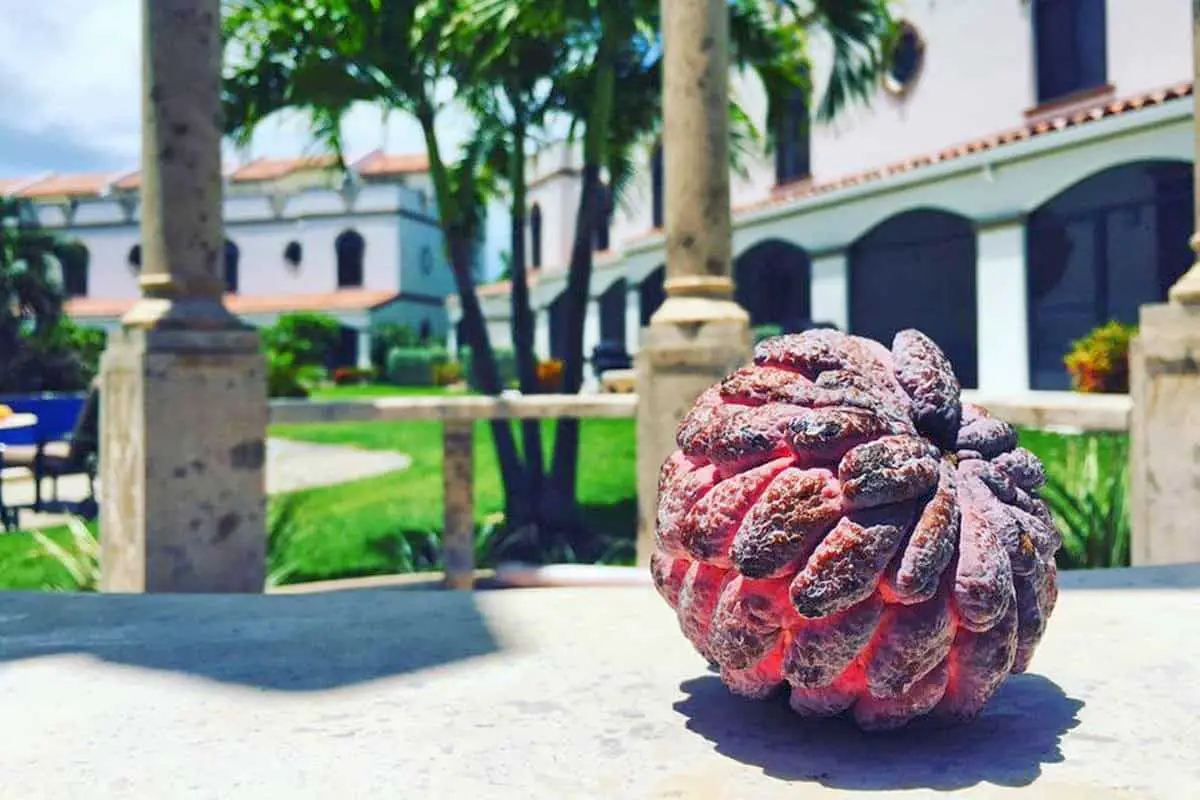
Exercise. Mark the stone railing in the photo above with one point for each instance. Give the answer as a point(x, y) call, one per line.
point(457, 415)
point(1048, 410)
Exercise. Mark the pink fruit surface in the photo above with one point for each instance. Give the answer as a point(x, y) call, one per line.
point(838, 524)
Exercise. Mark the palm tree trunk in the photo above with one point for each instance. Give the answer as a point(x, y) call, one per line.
point(563, 504)
point(522, 313)
point(459, 240)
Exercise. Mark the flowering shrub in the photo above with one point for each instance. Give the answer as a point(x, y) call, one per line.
point(549, 375)
point(1099, 362)
point(344, 376)
point(447, 374)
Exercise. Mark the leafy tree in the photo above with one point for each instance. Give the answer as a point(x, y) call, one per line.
point(39, 347)
point(322, 57)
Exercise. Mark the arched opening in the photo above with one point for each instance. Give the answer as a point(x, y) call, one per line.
point(350, 248)
point(345, 354)
point(75, 259)
point(652, 293)
point(657, 190)
point(293, 254)
point(772, 284)
point(233, 257)
point(603, 219)
point(134, 259)
point(917, 270)
point(611, 351)
point(1100, 250)
point(425, 332)
point(535, 236)
point(792, 148)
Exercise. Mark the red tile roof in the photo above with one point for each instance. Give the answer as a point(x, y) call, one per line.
point(90, 184)
point(1070, 118)
point(267, 169)
point(345, 300)
point(380, 165)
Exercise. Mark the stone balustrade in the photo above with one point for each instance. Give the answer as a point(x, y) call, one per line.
point(1049, 410)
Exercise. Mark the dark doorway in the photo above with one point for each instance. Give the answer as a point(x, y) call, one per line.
point(652, 292)
point(350, 248)
point(233, 257)
point(346, 352)
point(772, 284)
point(917, 270)
point(1100, 250)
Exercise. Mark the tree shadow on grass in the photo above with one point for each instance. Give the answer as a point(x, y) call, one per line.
point(1020, 730)
point(291, 643)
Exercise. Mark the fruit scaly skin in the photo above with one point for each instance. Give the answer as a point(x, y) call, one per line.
point(837, 522)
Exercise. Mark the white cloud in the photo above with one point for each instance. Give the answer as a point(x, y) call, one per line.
point(72, 76)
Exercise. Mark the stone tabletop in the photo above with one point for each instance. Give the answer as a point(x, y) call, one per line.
point(553, 693)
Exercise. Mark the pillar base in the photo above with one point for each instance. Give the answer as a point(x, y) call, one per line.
point(182, 461)
point(690, 344)
point(1165, 436)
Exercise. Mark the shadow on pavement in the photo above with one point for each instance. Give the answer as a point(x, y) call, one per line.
point(1019, 731)
point(290, 643)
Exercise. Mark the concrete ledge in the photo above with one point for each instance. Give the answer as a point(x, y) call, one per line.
point(536, 406)
point(1064, 410)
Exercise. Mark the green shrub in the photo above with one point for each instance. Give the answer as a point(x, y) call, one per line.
point(415, 366)
point(387, 337)
point(506, 363)
point(760, 332)
point(310, 338)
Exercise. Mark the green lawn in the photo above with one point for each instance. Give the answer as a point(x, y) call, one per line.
point(370, 526)
point(366, 390)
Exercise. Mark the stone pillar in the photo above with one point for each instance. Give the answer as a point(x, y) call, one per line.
point(1164, 382)
point(183, 390)
point(364, 348)
point(1002, 307)
point(699, 334)
point(829, 292)
point(633, 318)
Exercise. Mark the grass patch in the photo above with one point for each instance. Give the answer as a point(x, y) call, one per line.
point(385, 524)
point(368, 390)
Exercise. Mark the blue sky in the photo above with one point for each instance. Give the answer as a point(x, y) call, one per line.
point(71, 72)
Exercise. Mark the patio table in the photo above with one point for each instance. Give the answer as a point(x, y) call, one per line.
point(554, 693)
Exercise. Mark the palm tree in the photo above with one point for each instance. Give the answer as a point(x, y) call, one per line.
point(617, 42)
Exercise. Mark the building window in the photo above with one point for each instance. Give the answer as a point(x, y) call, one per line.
point(293, 253)
point(604, 218)
point(426, 261)
point(350, 248)
point(134, 259)
point(906, 59)
point(75, 259)
point(426, 331)
point(233, 257)
point(656, 187)
point(1069, 45)
point(535, 236)
point(792, 160)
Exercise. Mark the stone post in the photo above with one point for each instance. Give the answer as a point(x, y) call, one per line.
point(699, 334)
point(183, 392)
point(1164, 383)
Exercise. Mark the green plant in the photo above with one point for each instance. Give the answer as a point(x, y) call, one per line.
point(1099, 362)
point(761, 332)
point(415, 366)
point(387, 337)
point(81, 560)
point(506, 363)
point(287, 376)
point(447, 374)
point(1087, 489)
point(310, 338)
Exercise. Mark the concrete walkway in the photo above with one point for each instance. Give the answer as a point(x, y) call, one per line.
point(291, 466)
point(553, 693)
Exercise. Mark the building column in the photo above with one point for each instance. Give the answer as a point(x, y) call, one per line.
point(1164, 382)
point(591, 338)
point(541, 332)
point(829, 291)
point(699, 334)
point(1002, 307)
point(183, 389)
point(364, 348)
point(633, 318)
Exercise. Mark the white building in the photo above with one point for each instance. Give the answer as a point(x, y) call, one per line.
point(363, 247)
point(1023, 175)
